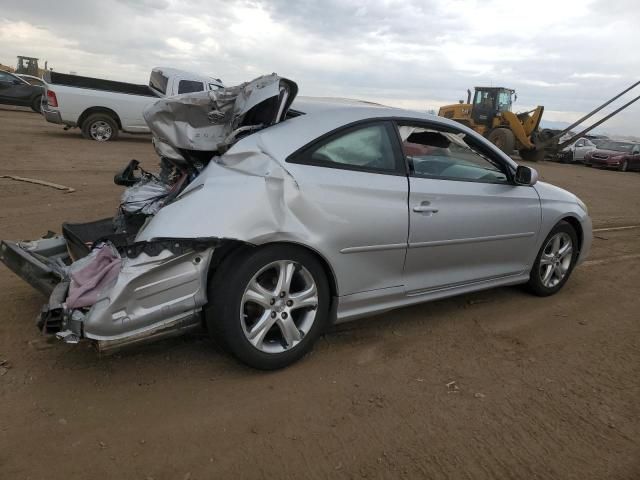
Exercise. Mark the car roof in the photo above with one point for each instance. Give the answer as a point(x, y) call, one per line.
point(176, 71)
point(356, 110)
point(314, 117)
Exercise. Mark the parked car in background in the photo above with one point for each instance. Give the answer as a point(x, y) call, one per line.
point(32, 80)
point(576, 151)
point(17, 91)
point(101, 108)
point(612, 154)
point(598, 141)
point(274, 223)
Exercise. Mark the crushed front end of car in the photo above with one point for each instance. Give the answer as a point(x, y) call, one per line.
point(105, 284)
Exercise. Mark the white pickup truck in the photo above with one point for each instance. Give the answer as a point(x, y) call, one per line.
point(101, 108)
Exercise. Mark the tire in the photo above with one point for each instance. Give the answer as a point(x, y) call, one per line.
point(504, 139)
point(534, 155)
point(560, 266)
point(233, 316)
point(567, 157)
point(100, 127)
point(36, 104)
point(624, 166)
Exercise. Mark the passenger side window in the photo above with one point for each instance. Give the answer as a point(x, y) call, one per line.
point(5, 77)
point(367, 148)
point(189, 86)
point(439, 154)
point(580, 143)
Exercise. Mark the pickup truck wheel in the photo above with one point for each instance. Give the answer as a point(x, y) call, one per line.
point(35, 105)
point(100, 127)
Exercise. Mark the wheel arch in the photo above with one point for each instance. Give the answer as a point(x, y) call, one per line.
point(233, 248)
point(91, 110)
point(577, 226)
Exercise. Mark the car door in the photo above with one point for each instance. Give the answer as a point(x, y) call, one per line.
point(353, 202)
point(13, 90)
point(468, 222)
point(581, 148)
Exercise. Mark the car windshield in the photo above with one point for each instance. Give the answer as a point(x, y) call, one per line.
point(504, 101)
point(617, 146)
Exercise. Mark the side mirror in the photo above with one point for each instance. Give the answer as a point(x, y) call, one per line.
point(16, 82)
point(526, 176)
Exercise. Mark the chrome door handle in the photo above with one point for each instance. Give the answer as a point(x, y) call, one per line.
point(424, 209)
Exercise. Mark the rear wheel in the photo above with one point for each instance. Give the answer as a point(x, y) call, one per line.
point(533, 155)
point(504, 139)
point(269, 305)
point(36, 104)
point(555, 261)
point(101, 127)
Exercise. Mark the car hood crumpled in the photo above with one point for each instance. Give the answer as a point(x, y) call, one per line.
point(213, 120)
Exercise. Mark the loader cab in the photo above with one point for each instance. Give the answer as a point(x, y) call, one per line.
point(489, 102)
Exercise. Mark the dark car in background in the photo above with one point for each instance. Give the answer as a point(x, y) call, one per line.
point(612, 154)
point(17, 91)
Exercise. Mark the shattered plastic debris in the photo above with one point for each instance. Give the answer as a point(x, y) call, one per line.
point(452, 387)
point(146, 196)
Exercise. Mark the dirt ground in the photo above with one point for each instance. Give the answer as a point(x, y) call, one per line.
point(544, 388)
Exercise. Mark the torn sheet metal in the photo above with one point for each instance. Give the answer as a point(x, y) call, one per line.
point(209, 121)
point(145, 197)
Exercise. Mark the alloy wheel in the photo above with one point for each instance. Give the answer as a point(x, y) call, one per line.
point(556, 259)
point(100, 131)
point(279, 306)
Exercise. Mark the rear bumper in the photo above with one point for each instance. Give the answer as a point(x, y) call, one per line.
point(35, 262)
point(54, 116)
point(154, 295)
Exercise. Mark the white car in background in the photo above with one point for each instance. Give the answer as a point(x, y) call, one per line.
point(577, 150)
point(101, 108)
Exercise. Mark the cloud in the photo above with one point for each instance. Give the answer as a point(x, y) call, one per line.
point(412, 53)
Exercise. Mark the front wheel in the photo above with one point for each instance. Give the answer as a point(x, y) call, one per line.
point(555, 261)
point(624, 166)
point(269, 305)
point(504, 139)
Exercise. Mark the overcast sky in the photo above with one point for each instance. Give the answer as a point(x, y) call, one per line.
point(566, 55)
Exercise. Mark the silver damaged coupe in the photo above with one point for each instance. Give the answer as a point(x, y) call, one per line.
point(273, 217)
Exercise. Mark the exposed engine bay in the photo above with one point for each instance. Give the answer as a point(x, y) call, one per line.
point(105, 285)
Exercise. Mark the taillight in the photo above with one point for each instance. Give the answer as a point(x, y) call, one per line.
point(52, 100)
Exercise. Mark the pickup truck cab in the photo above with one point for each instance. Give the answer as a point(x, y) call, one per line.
point(103, 108)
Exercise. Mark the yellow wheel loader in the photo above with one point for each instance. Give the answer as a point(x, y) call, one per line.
point(490, 115)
